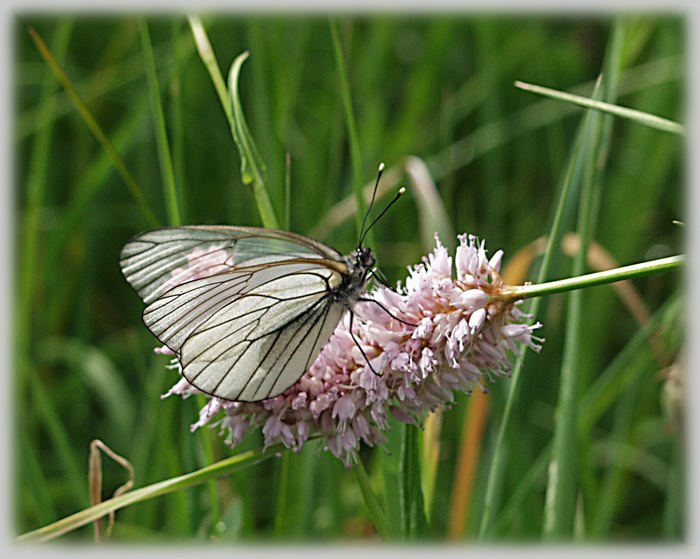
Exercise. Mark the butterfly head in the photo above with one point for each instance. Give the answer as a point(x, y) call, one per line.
point(364, 258)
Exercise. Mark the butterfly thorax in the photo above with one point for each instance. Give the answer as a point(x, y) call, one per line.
point(360, 264)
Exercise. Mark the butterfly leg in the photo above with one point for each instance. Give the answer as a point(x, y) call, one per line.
point(377, 273)
point(365, 300)
point(357, 343)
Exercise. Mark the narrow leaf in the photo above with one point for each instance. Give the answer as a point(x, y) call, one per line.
point(645, 119)
point(161, 132)
point(414, 523)
point(375, 509)
point(95, 128)
point(252, 166)
point(222, 468)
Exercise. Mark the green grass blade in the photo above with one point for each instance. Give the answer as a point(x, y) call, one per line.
point(371, 501)
point(640, 117)
point(560, 506)
point(283, 493)
point(563, 482)
point(676, 500)
point(207, 456)
point(206, 53)
point(178, 77)
point(97, 131)
point(161, 133)
point(222, 468)
point(544, 113)
point(490, 502)
point(351, 126)
point(98, 373)
point(92, 182)
point(75, 473)
point(36, 192)
point(618, 376)
point(252, 166)
point(414, 523)
point(29, 463)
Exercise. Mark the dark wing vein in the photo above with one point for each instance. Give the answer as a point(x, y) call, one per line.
point(290, 330)
point(247, 310)
point(237, 361)
point(159, 259)
point(251, 326)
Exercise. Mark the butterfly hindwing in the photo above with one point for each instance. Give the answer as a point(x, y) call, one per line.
point(261, 356)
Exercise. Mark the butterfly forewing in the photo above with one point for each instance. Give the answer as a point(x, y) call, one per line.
point(247, 310)
point(157, 260)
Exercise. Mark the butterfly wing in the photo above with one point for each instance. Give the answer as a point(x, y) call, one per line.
point(157, 260)
point(247, 310)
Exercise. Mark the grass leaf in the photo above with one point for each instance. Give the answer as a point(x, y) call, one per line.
point(86, 516)
point(640, 117)
point(252, 166)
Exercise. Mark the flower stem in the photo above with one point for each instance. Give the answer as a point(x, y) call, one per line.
point(589, 280)
point(375, 509)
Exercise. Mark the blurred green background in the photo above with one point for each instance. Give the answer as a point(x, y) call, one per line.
point(438, 87)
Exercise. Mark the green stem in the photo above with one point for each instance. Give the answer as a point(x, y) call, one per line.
point(597, 278)
point(83, 517)
point(206, 53)
point(375, 509)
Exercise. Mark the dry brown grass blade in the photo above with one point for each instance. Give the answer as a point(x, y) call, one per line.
point(431, 456)
point(674, 395)
point(95, 479)
point(465, 472)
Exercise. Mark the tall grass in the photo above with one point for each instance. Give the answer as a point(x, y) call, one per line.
point(583, 444)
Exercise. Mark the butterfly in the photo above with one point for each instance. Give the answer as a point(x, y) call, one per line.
point(246, 310)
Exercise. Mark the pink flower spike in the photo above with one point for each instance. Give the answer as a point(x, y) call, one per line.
point(495, 262)
point(444, 331)
point(164, 350)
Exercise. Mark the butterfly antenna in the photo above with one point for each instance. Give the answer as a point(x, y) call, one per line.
point(400, 193)
point(371, 203)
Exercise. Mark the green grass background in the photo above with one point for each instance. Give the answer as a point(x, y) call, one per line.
point(439, 87)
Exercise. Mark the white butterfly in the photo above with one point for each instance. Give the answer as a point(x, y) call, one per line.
point(247, 310)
